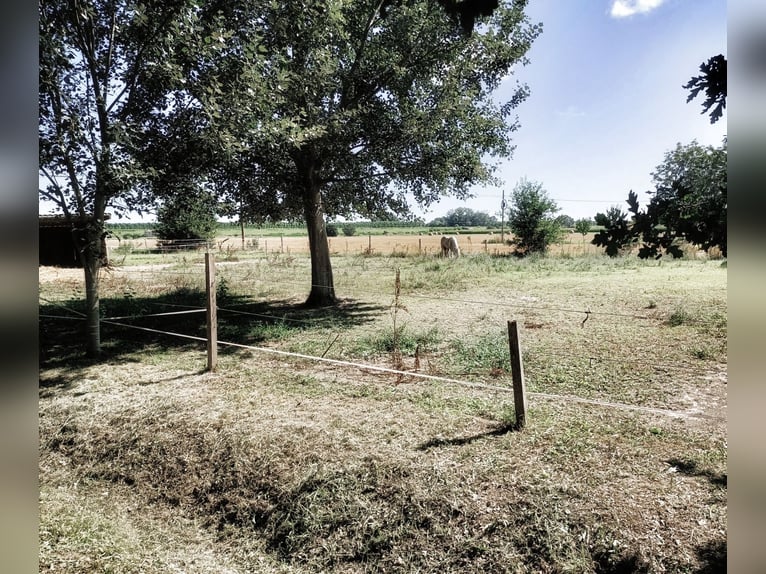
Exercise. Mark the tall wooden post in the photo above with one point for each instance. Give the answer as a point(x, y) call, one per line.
point(212, 315)
point(502, 219)
point(517, 373)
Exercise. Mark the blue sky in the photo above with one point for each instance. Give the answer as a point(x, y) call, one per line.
point(606, 99)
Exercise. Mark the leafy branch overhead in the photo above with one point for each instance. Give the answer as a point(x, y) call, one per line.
point(689, 204)
point(713, 82)
point(464, 12)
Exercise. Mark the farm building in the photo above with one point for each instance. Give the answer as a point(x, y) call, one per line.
point(58, 236)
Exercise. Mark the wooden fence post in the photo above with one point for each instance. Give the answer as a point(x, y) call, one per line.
point(369, 243)
point(212, 315)
point(420, 246)
point(517, 373)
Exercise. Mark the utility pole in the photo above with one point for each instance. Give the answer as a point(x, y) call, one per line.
point(502, 219)
point(242, 224)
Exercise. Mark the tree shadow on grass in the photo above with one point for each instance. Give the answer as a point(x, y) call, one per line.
point(691, 468)
point(460, 441)
point(247, 322)
point(135, 325)
point(712, 556)
point(607, 563)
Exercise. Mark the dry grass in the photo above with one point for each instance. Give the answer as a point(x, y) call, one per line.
point(147, 464)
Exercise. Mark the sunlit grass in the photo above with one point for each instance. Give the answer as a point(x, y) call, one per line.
point(278, 464)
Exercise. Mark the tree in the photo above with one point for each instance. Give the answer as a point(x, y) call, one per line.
point(340, 109)
point(689, 203)
point(713, 82)
point(438, 222)
point(565, 221)
point(617, 233)
point(465, 12)
point(582, 226)
point(187, 215)
point(531, 218)
point(94, 100)
point(464, 217)
point(691, 196)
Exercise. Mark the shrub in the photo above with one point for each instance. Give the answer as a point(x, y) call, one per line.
point(349, 230)
point(332, 230)
point(530, 218)
point(187, 216)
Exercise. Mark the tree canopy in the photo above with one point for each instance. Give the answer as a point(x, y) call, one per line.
point(94, 100)
point(713, 82)
point(582, 226)
point(186, 217)
point(689, 203)
point(531, 218)
point(464, 217)
point(334, 109)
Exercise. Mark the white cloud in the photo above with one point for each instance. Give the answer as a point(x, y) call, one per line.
point(571, 112)
point(627, 8)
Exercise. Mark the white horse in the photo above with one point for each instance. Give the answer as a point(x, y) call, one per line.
point(450, 247)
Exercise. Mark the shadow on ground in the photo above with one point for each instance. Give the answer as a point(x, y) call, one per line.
point(712, 556)
point(691, 468)
point(177, 320)
point(460, 441)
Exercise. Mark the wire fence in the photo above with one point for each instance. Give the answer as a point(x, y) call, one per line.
point(370, 242)
point(589, 358)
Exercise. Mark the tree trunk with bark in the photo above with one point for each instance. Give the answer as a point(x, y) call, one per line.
point(322, 286)
point(93, 312)
point(88, 239)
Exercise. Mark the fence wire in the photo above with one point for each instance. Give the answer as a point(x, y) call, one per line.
point(589, 358)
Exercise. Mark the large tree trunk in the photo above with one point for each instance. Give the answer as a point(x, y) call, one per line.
point(88, 239)
point(93, 312)
point(322, 286)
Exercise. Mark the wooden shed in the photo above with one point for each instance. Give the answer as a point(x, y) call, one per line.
point(58, 241)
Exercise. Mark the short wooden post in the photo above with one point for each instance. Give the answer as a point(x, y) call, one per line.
point(517, 373)
point(369, 243)
point(212, 315)
point(420, 246)
point(281, 243)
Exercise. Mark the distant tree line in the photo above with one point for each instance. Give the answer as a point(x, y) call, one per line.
point(465, 217)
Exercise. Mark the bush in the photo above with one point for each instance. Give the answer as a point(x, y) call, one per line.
point(349, 230)
point(582, 226)
point(187, 217)
point(530, 218)
point(332, 230)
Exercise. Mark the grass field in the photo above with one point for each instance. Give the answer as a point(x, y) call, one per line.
point(281, 464)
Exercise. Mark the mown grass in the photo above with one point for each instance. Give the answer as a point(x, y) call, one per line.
point(274, 464)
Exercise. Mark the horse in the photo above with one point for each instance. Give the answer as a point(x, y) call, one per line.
point(450, 247)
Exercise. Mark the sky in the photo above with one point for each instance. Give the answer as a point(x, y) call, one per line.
point(606, 100)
